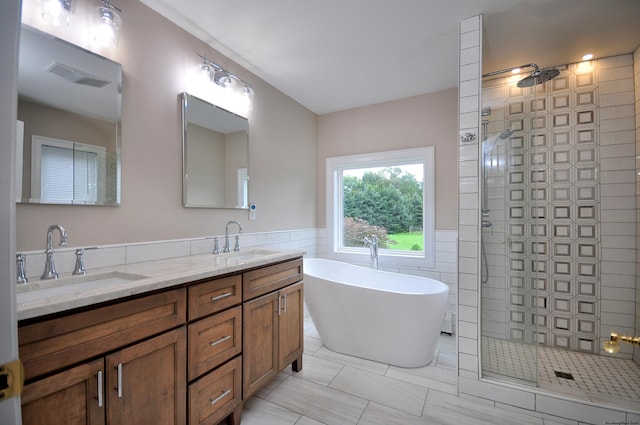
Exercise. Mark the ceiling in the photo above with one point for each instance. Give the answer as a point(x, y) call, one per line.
point(333, 55)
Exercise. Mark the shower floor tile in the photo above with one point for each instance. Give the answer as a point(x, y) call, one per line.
point(596, 378)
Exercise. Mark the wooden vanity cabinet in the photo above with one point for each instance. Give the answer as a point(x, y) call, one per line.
point(185, 355)
point(119, 364)
point(272, 323)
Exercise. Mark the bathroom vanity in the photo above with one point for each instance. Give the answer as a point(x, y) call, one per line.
point(185, 346)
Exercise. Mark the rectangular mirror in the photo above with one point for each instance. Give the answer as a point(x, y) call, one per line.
point(215, 156)
point(69, 114)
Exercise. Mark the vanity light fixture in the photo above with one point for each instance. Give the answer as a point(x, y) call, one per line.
point(222, 77)
point(107, 23)
point(56, 12)
point(228, 90)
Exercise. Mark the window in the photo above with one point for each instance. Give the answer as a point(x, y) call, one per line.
point(387, 194)
point(66, 172)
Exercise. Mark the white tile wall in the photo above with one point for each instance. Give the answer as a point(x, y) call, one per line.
point(618, 215)
point(636, 68)
point(468, 202)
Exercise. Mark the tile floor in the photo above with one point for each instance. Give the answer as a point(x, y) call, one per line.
point(596, 378)
point(335, 389)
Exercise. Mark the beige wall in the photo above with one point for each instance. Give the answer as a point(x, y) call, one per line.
point(156, 57)
point(425, 120)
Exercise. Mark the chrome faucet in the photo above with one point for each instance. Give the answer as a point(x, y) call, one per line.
point(79, 269)
point(373, 248)
point(21, 260)
point(216, 247)
point(49, 266)
point(226, 236)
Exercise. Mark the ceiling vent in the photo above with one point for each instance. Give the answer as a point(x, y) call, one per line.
point(76, 76)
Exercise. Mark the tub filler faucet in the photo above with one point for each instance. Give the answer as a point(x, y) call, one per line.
point(226, 236)
point(373, 248)
point(49, 266)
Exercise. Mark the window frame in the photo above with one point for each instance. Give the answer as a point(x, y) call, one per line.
point(335, 202)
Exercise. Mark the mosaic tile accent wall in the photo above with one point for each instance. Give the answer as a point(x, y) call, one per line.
point(546, 188)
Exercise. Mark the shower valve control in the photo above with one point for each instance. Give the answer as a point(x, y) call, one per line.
point(467, 137)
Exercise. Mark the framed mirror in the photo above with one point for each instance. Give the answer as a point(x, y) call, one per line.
point(215, 156)
point(69, 114)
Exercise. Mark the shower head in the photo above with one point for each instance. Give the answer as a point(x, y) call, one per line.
point(505, 134)
point(488, 144)
point(538, 77)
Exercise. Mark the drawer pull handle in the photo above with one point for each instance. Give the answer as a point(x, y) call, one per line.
point(221, 296)
point(119, 367)
point(221, 396)
point(99, 388)
point(221, 340)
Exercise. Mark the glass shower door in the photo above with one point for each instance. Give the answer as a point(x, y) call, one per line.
point(513, 238)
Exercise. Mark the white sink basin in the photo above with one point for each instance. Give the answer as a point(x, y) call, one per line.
point(241, 257)
point(72, 286)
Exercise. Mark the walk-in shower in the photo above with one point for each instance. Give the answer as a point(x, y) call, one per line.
point(558, 230)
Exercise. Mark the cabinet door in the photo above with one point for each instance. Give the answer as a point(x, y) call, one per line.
point(291, 322)
point(260, 336)
point(72, 397)
point(146, 383)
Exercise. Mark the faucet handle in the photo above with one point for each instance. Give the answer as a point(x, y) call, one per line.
point(21, 260)
point(216, 246)
point(237, 247)
point(79, 268)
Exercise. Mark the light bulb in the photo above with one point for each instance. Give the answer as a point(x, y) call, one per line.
point(107, 23)
point(56, 12)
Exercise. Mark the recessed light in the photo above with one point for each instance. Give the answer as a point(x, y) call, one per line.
point(587, 57)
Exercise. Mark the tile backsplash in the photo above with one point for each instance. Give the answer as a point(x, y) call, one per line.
point(96, 257)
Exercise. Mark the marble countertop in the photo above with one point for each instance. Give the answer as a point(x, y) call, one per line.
point(39, 298)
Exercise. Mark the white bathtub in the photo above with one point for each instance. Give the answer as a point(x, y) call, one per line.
point(387, 317)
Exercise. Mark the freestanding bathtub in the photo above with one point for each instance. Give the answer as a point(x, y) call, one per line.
point(387, 317)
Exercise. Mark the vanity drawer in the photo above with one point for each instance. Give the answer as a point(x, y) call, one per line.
point(214, 396)
point(214, 340)
point(52, 344)
point(271, 278)
point(214, 295)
